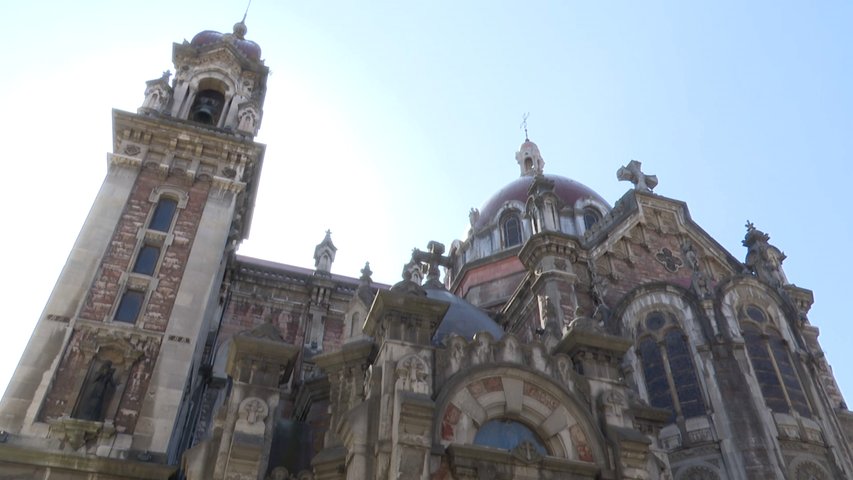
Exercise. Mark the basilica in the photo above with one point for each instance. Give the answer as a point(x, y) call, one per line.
point(567, 336)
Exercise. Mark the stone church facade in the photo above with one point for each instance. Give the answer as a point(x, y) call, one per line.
point(561, 339)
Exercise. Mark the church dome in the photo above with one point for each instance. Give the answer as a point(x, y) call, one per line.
point(462, 318)
point(568, 190)
point(247, 47)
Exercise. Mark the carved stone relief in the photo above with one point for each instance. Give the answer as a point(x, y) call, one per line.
point(413, 375)
point(251, 415)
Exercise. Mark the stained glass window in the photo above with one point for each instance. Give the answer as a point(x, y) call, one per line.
point(657, 383)
point(771, 388)
point(684, 375)
point(671, 379)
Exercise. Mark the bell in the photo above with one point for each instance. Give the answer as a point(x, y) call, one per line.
point(207, 107)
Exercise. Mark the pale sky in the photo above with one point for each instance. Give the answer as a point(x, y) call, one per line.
point(387, 121)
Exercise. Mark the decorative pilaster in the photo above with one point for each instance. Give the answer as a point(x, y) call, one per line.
point(239, 448)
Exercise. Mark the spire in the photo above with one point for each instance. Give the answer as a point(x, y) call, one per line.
point(365, 274)
point(324, 254)
point(240, 28)
point(364, 290)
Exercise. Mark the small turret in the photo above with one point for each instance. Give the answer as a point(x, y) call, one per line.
point(529, 159)
point(324, 254)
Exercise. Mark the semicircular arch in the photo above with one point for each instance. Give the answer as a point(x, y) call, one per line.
point(490, 392)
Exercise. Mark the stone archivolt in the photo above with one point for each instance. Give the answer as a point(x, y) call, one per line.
point(540, 391)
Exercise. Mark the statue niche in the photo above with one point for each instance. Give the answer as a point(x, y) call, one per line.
point(97, 392)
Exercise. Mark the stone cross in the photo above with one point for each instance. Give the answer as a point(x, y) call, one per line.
point(433, 258)
point(634, 174)
point(254, 411)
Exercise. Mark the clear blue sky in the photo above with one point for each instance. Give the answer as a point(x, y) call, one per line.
point(386, 121)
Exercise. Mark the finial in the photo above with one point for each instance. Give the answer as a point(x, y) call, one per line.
point(749, 226)
point(240, 27)
point(523, 126)
point(324, 254)
point(366, 272)
point(246, 12)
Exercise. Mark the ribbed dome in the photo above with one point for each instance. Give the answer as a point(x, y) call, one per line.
point(568, 190)
point(247, 47)
point(462, 318)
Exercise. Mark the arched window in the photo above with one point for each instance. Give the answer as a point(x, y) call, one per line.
point(507, 434)
point(511, 230)
point(590, 218)
point(667, 365)
point(207, 107)
point(772, 364)
point(163, 214)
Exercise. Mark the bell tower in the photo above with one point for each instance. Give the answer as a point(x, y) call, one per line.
point(120, 348)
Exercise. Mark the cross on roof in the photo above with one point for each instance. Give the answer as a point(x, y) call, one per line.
point(433, 258)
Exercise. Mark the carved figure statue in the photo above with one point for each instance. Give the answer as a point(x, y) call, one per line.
point(279, 473)
point(413, 375)
point(634, 174)
point(473, 216)
point(456, 347)
point(97, 393)
point(762, 258)
point(482, 348)
point(700, 281)
point(412, 272)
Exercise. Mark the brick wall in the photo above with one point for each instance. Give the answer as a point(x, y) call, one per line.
point(117, 260)
point(106, 289)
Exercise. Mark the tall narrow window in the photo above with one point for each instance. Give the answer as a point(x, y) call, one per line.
point(511, 227)
point(355, 324)
point(683, 374)
point(129, 306)
point(789, 377)
point(163, 214)
point(146, 260)
point(657, 384)
point(772, 364)
point(670, 375)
